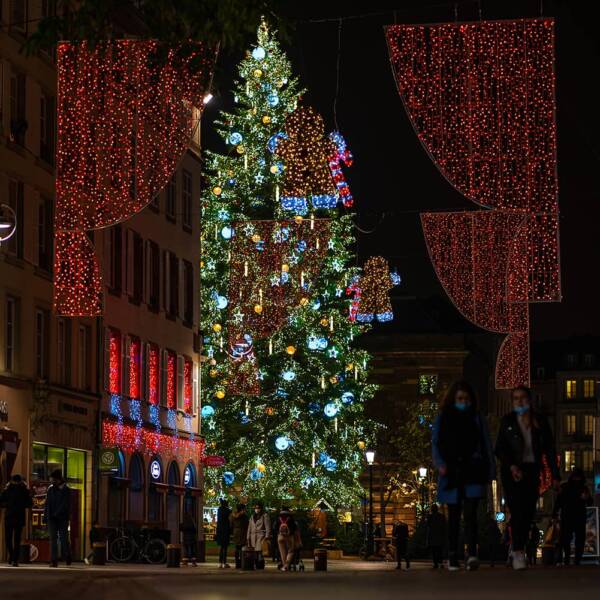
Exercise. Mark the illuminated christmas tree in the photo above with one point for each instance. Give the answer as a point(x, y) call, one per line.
point(283, 390)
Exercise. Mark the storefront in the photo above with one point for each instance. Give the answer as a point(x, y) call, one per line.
point(75, 466)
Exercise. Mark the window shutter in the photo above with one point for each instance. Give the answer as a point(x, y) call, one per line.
point(106, 360)
point(38, 225)
point(147, 274)
point(181, 299)
point(180, 383)
point(167, 280)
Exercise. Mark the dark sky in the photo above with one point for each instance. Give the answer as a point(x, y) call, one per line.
point(393, 179)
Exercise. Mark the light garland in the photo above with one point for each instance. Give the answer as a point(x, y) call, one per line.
point(342, 155)
point(153, 375)
point(114, 362)
point(171, 387)
point(135, 371)
point(125, 116)
point(373, 301)
point(187, 386)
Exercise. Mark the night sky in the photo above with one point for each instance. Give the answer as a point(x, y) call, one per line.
point(393, 179)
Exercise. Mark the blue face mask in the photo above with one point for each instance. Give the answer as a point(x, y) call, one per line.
point(461, 406)
point(521, 410)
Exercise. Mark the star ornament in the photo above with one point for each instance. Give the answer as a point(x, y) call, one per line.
point(333, 352)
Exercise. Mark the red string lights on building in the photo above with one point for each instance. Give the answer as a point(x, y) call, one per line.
point(187, 386)
point(126, 113)
point(135, 371)
point(171, 380)
point(153, 375)
point(114, 363)
point(131, 439)
point(481, 97)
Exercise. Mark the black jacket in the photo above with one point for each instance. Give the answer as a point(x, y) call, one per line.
point(510, 444)
point(58, 502)
point(16, 499)
point(572, 502)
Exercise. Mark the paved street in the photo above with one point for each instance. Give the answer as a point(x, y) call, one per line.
point(344, 580)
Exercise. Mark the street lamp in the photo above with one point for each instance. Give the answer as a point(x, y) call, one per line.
point(423, 472)
point(422, 478)
point(370, 456)
point(8, 222)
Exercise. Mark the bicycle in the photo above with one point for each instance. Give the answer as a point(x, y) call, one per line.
point(127, 545)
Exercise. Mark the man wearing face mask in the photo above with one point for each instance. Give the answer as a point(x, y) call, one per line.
point(525, 448)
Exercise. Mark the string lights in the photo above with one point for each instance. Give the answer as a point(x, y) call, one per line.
point(341, 156)
point(126, 112)
point(373, 299)
point(481, 97)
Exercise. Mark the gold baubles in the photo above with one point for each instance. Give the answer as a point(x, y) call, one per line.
point(257, 73)
point(303, 301)
point(274, 169)
point(269, 410)
point(324, 322)
point(266, 119)
point(258, 309)
point(285, 267)
point(213, 372)
point(217, 190)
point(216, 327)
point(298, 219)
point(220, 394)
point(333, 379)
point(349, 367)
point(261, 468)
point(240, 149)
point(291, 350)
point(256, 238)
point(361, 445)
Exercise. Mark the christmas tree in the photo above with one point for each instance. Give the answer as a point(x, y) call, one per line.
point(283, 389)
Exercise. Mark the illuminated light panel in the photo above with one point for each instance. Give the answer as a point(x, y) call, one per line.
point(125, 117)
point(188, 367)
point(342, 155)
point(114, 362)
point(135, 371)
point(153, 375)
point(171, 380)
point(374, 298)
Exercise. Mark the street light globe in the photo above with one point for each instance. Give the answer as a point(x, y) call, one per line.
point(370, 456)
point(422, 472)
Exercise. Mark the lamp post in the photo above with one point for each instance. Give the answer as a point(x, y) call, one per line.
point(422, 478)
point(370, 456)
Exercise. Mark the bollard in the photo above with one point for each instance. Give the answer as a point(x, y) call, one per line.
point(321, 559)
point(248, 559)
point(173, 556)
point(99, 553)
point(24, 554)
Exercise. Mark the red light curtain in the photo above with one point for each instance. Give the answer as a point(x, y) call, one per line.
point(481, 97)
point(125, 117)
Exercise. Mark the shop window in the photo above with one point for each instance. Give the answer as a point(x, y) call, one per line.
point(136, 489)
point(569, 460)
point(570, 389)
point(427, 384)
point(588, 425)
point(570, 424)
point(589, 388)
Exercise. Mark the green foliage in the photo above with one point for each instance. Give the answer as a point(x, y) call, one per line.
point(349, 538)
point(241, 187)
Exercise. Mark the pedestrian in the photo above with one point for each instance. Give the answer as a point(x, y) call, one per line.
point(525, 447)
point(189, 535)
point(16, 499)
point(95, 536)
point(436, 535)
point(57, 513)
point(400, 535)
point(223, 533)
point(286, 532)
point(571, 505)
point(462, 454)
point(239, 531)
point(259, 531)
point(533, 541)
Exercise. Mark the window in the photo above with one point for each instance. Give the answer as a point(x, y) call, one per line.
point(113, 361)
point(589, 388)
point(135, 368)
point(18, 120)
point(186, 200)
point(18, 15)
point(569, 460)
point(16, 195)
point(587, 461)
point(589, 360)
point(188, 293)
point(588, 425)
point(427, 384)
point(63, 351)
point(42, 318)
point(11, 320)
point(44, 235)
point(571, 360)
point(570, 424)
point(47, 133)
point(171, 284)
point(571, 388)
point(188, 386)
point(153, 384)
point(171, 200)
point(135, 266)
point(171, 379)
point(84, 351)
point(153, 274)
point(115, 279)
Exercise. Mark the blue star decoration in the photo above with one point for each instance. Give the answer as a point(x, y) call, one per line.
point(339, 292)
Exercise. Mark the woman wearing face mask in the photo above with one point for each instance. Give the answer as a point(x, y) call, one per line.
point(259, 530)
point(462, 454)
point(525, 446)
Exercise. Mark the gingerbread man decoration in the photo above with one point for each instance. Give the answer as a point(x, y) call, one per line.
point(374, 291)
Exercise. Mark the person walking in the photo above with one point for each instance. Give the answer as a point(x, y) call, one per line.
point(286, 533)
point(16, 499)
point(223, 533)
point(400, 535)
point(571, 505)
point(57, 513)
point(436, 535)
point(259, 530)
point(189, 536)
point(525, 447)
point(463, 456)
point(239, 531)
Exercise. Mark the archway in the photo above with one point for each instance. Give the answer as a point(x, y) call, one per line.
point(155, 497)
point(116, 494)
point(136, 489)
point(173, 502)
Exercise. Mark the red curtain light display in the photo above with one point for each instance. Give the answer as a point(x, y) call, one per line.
point(125, 117)
point(114, 362)
point(273, 266)
point(171, 380)
point(132, 439)
point(153, 375)
point(187, 386)
point(135, 371)
point(481, 97)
